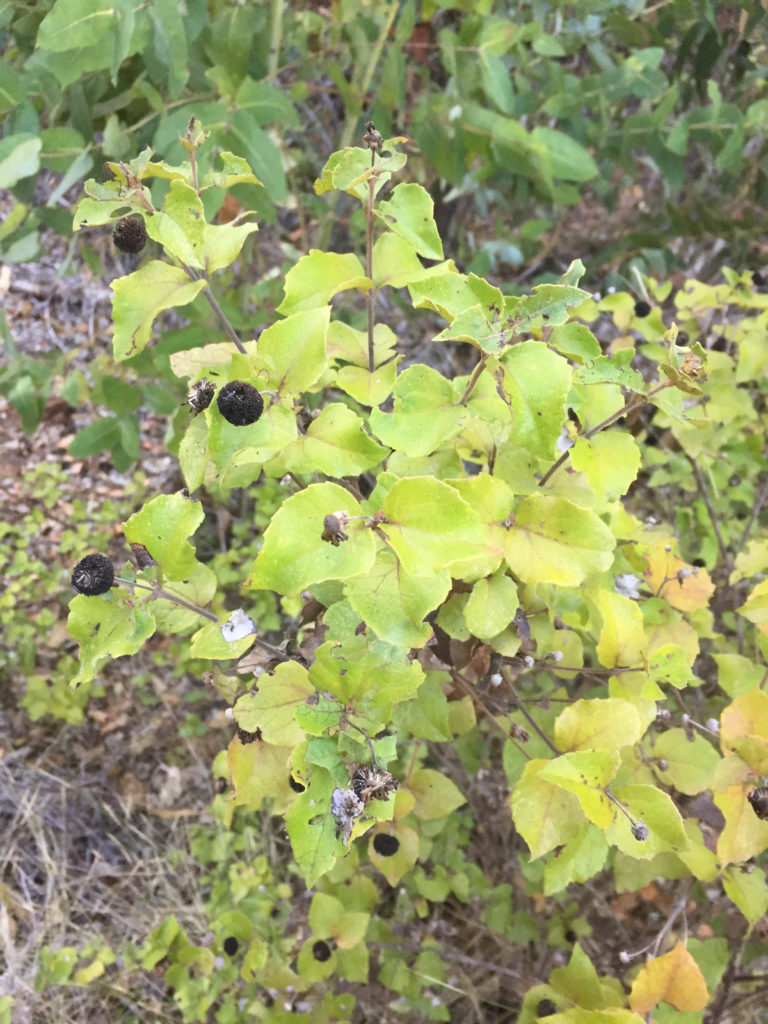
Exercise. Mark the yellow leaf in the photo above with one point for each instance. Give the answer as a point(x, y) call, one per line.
point(622, 638)
point(674, 978)
point(756, 607)
point(744, 729)
point(686, 587)
point(744, 835)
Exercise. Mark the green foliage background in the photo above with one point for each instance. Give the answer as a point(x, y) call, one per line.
point(552, 575)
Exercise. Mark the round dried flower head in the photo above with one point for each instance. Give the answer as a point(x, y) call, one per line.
point(640, 831)
point(385, 845)
point(758, 798)
point(93, 575)
point(334, 525)
point(240, 403)
point(200, 395)
point(321, 951)
point(231, 945)
point(642, 308)
point(130, 234)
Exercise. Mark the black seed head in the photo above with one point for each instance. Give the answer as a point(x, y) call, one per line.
point(758, 278)
point(93, 575)
point(642, 308)
point(200, 395)
point(240, 403)
point(321, 951)
point(130, 234)
point(248, 737)
point(759, 800)
point(385, 845)
point(231, 945)
point(296, 786)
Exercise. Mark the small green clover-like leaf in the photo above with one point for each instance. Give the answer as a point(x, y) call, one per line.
point(335, 444)
point(294, 555)
point(318, 276)
point(163, 526)
point(554, 541)
point(410, 214)
point(106, 629)
point(271, 710)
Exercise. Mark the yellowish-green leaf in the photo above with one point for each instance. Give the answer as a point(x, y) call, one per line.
point(610, 462)
point(141, 296)
point(606, 724)
point(544, 814)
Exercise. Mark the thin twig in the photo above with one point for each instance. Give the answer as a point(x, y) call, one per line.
point(369, 295)
point(223, 319)
point(631, 403)
point(507, 676)
point(474, 379)
point(702, 486)
point(472, 694)
point(275, 37)
point(761, 500)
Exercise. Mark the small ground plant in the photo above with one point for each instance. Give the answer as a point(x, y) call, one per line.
point(534, 590)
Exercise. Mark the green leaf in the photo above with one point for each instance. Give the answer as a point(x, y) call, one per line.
point(271, 710)
point(335, 444)
point(430, 527)
point(410, 214)
point(748, 891)
point(293, 349)
point(549, 301)
point(312, 829)
point(211, 644)
point(73, 24)
point(435, 795)
point(585, 773)
point(607, 724)
point(537, 382)
point(365, 671)
point(578, 982)
point(575, 341)
point(294, 554)
point(243, 451)
point(428, 716)
point(393, 603)
point(689, 765)
point(163, 526)
point(544, 814)
point(318, 276)
point(613, 369)
point(395, 263)
point(553, 541)
point(579, 860)
point(266, 103)
point(349, 170)
point(19, 158)
point(106, 629)
point(139, 297)
point(491, 606)
point(610, 461)
point(562, 156)
point(622, 638)
point(656, 809)
point(260, 770)
point(425, 413)
point(234, 171)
